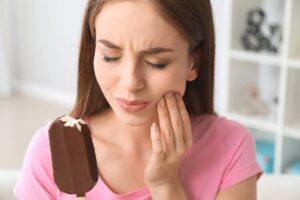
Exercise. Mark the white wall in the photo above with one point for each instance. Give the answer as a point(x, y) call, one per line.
point(46, 45)
point(5, 48)
point(5, 88)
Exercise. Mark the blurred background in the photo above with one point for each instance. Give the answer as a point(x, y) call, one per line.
point(257, 79)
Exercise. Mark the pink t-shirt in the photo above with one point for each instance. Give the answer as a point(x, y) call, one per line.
point(223, 154)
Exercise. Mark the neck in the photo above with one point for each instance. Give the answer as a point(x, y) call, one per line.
point(130, 138)
point(134, 137)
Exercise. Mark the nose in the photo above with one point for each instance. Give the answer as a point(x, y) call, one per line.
point(132, 78)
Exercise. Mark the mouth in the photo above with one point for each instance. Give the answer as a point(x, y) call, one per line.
point(133, 105)
point(133, 102)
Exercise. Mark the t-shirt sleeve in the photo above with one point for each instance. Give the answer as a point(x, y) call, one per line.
point(36, 180)
point(239, 152)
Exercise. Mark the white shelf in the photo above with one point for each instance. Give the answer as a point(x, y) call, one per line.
point(255, 122)
point(243, 55)
point(274, 79)
point(292, 133)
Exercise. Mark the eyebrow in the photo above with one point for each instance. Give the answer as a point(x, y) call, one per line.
point(151, 51)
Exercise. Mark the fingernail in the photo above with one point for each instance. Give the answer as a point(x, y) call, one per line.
point(153, 127)
point(162, 102)
point(178, 97)
point(169, 95)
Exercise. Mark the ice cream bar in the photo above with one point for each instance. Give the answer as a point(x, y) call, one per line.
point(73, 156)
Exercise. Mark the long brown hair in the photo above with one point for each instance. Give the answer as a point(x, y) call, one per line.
point(192, 18)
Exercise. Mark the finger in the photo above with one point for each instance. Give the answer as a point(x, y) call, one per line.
point(157, 147)
point(187, 129)
point(176, 121)
point(165, 126)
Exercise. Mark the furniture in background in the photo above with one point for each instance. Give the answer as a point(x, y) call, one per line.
point(261, 84)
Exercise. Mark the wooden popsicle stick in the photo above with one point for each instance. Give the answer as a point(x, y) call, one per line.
point(80, 198)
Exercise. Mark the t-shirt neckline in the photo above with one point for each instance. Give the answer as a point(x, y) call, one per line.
point(140, 192)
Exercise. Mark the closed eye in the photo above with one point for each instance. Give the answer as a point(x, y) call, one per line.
point(158, 66)
point(108, 59)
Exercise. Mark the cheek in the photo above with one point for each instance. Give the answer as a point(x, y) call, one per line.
point(103, 78)
point(179, 86)
point(98, 69)
point(97, 73)
point(174, 80)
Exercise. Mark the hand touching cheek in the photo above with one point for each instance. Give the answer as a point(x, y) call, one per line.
point(171, 139)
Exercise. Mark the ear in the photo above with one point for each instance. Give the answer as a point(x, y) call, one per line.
point(192, 72)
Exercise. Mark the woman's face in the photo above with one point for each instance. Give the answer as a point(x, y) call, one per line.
point(139, 56)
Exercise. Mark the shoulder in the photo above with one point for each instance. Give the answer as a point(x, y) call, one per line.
point(217, 126)
point(36, 177)
point(39, 148)
point(234, 135)
point(229, 136)
point(232, 143)
point(38, 151)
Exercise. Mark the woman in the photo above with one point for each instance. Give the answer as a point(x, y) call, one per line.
point(145, 89)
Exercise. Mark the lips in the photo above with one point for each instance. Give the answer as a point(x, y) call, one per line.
point(135, 102)
point(132, 106)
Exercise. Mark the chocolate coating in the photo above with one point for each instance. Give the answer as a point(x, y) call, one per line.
point(73, 158)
